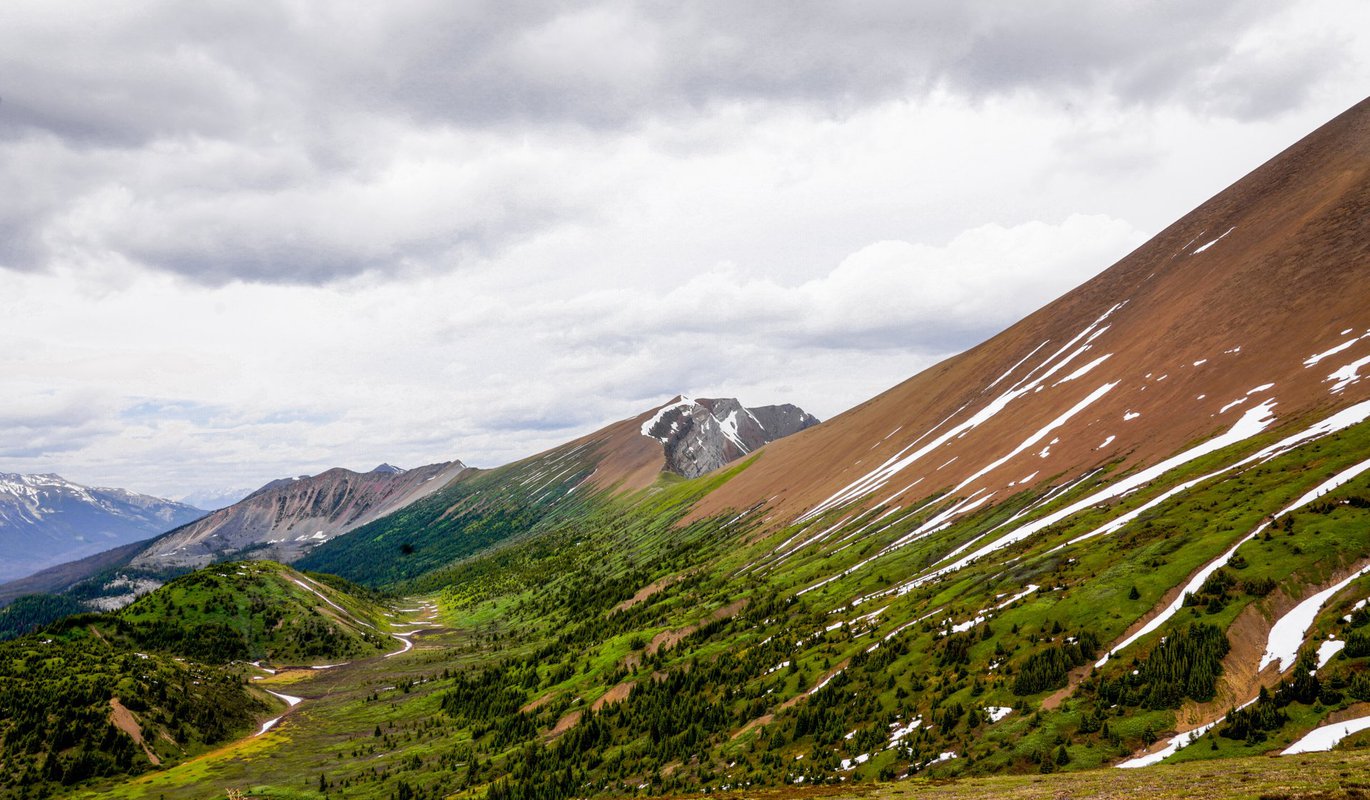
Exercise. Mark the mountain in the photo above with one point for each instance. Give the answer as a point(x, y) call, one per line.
point(169, 677)
point(286, 517)
point(700, 436)
point(492, 507)
point(258, 610)
point(1247, 314)
point(1083, 543)
point(47, 520)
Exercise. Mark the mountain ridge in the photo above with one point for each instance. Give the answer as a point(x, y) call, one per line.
point(46, 520)
point(284, 518)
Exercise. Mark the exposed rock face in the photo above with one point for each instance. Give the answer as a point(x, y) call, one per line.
point(285, 518)
point(702, 435)
point(47, 520)
point(782, 420)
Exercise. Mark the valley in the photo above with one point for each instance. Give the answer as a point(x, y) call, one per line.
point(1119, 549)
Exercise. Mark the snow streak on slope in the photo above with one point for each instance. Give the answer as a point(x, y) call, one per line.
point(1316, 357)
point(1251, 423)
point(877, 478)
point(1347, 375)
point(1202, 575)
point(683, 402)
point(1327, 737)
point(1286, 636)
point(1039, 435)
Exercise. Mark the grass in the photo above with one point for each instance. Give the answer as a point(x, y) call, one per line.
point(1316, 776)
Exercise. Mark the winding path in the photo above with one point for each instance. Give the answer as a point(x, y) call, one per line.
point(426, 622)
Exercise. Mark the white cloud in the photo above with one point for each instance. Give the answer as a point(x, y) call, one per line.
point(232, 385)
point(239, 243)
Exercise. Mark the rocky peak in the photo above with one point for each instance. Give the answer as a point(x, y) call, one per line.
point(702, 435)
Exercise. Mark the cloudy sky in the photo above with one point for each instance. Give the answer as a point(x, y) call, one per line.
point(246, 240)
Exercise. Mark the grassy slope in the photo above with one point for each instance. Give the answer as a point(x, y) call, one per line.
point(549, 613)
point(173, 664)
point(258, 610)
point(481, 510)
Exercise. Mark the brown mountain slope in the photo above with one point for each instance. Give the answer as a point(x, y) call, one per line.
point(285, 518)
point(1210, 327)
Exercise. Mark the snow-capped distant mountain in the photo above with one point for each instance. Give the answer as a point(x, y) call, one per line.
point(703, 435)
point(47, 520)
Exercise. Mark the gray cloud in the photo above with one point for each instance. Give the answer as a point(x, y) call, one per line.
point(225, 141)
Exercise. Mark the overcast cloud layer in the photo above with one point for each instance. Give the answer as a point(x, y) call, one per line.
point(244, 240)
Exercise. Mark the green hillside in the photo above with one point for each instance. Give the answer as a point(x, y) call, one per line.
point(617, 651)
point(470, 515)
point(165, 679)
point(254, 610)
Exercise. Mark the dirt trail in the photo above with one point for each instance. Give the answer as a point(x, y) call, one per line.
point(764, 719)
point(646, 592)
point(565, 724)
point(534, 705)
point(1240, 680)
point(615, 695)
point(668, 639)
point(124, 720)
point(1073, 680)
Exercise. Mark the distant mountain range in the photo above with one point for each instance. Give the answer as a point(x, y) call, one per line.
point(47, 520)
point(289, 517)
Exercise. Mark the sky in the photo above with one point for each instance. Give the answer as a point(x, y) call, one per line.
point(246, 240)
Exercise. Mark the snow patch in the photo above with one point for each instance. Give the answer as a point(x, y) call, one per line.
point(290, 700)
point(1171, 748)
point(1286, 636)
point(1316, 357)
point(1328, 649)
point(1232, 405)
point(1347, 375)
point(683, 402)
point(1204, 247)
point(1327, 737)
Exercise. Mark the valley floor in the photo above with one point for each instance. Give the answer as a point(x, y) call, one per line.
point(319, 730)
point(320, 736)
